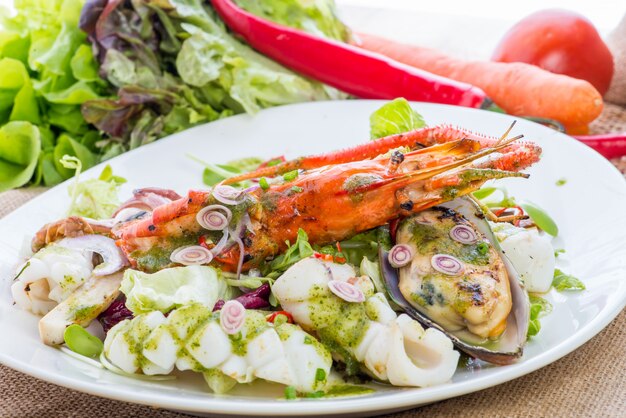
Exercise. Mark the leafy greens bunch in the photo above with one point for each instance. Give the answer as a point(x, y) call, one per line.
point(92, 79)
point(175, 65)
point(47, 71)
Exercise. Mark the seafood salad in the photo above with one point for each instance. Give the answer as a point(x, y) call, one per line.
point(388, 263)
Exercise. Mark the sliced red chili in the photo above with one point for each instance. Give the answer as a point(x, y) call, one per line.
point(272, 317)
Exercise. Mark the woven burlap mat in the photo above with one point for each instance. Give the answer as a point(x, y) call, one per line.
point(590, 382)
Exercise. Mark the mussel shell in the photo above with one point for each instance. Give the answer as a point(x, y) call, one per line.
point(510, 345)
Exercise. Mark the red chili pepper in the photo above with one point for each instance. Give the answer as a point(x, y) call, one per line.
point(502, 210)
point(272, 317)
point(608, 145)
point(355, 71)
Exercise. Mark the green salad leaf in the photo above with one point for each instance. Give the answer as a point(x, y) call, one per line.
point(372, 270)
point(173, 287)
point(81, 341)
point(563, 281)
point(47, 71)
point(176, 65)
point(215, 173)
point(539, 307)
point(541, 218)
point(94, 198)
point(20, 146)
point(318, 17)
point(363, 245)
point(218, 382)
point(484, 192)
point(393, 118)
point(538, 215)
point(295, 252)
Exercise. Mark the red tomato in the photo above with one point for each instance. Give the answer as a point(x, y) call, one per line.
point(562, 42)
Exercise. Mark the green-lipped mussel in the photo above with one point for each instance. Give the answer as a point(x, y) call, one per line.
point(464, 286)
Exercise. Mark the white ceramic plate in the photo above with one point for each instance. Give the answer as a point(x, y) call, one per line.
point(589, 210)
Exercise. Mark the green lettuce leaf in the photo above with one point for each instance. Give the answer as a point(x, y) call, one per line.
point(563, 281)
point(299, 250)
point(214, 173)
point(13, 78)
point(20, 146)
point(393, 118)
point(363, 245)
point(372, 270)
point(47, 70)
point(66, 145)
point(83, 64)
point(172, 288)
point(96, 198)
point(539, 308)
point(318, 17)
point(540, 217)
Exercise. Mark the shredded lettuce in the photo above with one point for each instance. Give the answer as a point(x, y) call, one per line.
point(393, 118)
point(94, 198)
point(563, 281)
point(172, 288)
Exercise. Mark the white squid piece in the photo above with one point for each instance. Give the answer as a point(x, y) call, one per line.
point(531, 254)
point(191, 338)
point(49, 277)
point(387, 346)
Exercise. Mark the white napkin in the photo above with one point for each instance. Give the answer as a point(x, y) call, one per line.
point(617, 44)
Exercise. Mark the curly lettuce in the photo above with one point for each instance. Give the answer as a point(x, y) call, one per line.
point(47, 70)
point(176, 65)
point(172, 288)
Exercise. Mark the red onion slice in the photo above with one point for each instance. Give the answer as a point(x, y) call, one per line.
point(346, 291)
point(239, 242)
point(221, 244)
point(228, 195)
point(191, 255)
point(113, 258)
point(463, 234)
point(447, 264)
point(401, 255)
point(227, 212)
point(212, 219)
point(232, 316)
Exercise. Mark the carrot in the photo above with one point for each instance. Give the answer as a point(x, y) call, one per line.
point(520, 89)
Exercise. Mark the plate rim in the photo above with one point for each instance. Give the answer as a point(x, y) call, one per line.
point(403, 398)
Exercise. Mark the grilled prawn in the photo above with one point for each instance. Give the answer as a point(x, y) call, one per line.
point(331, 197)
